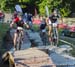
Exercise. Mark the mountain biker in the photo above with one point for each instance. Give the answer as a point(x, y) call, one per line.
point(53, 20)
point(1, 16)
point(43, 31)
point(14, 14)
point(43, 25)
point(19, 27)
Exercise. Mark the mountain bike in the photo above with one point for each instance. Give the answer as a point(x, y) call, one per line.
point(19, 39)
point(54, 36)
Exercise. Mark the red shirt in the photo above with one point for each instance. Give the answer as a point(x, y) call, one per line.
point(16, 20)
point(1, 14)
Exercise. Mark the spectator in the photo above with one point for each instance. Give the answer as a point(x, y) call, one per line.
point(1, 16)
point(25, 17)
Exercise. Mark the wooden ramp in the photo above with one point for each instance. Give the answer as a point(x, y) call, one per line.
point(32, 57)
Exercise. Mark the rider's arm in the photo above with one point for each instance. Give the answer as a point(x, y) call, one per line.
point(47, 20)
point(11, 25)
point(60, 18)
point(27, 26)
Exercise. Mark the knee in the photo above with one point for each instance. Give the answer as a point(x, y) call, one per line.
point(15, 35)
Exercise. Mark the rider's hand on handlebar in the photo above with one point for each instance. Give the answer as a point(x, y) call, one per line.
point(27, 26)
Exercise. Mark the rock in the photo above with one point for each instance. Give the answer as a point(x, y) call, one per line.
point(32, 58)
point(35, 37)
point(66, 47)
point(62, 61)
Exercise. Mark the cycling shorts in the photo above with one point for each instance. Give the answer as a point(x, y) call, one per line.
point(54, 24)
point(19, 28)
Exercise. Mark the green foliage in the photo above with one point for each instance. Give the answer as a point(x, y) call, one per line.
point(24, 0)
point(2, 4)
point(42, 6)
point(63, 5)
point(3, 28)
point(64, 12)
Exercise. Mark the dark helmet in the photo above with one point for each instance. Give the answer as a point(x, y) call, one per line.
point(54, 9)
point(15, 14)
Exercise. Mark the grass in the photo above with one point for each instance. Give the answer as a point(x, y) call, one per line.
point(3, 28)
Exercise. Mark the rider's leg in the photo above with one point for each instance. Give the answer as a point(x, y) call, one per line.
point(15, 39)
point(50, 30)
point(22, 31)
point(50, 34)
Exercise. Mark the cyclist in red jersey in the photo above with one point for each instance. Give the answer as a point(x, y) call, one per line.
point(19, 26)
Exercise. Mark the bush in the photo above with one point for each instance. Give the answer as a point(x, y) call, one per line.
point(36, 27)
point(3, 28)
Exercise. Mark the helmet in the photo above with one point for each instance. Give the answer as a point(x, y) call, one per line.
point(15, 14)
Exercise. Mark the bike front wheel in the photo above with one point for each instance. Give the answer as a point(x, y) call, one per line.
point(54, 37)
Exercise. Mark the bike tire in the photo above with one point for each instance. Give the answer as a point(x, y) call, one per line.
point(55, 37)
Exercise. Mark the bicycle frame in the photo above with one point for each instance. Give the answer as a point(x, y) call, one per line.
point(54, 35)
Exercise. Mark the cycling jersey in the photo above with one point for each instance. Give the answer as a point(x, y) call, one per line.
point(18, 22)
point(53, 18)
point(42, 25)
